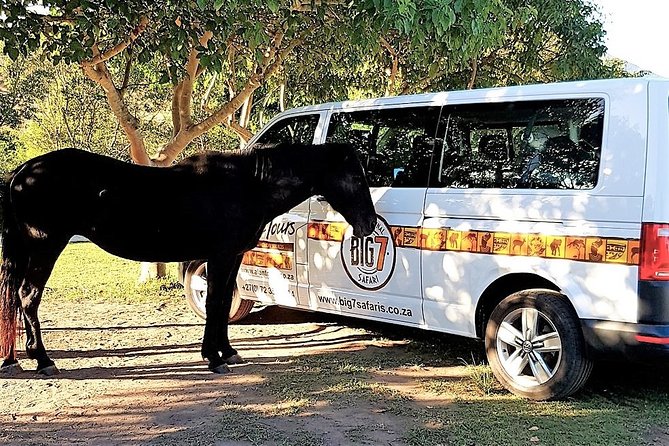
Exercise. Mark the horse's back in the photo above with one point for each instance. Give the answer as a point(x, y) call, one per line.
point(138, 212)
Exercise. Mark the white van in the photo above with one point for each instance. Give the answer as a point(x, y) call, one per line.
point(534, 217)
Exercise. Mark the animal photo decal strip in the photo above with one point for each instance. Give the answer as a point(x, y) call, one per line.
point(587, 249)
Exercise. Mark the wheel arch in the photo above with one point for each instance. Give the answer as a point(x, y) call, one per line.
point(503, 287)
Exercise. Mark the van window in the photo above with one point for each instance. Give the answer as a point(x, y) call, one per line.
point(395, 145)
point(294, 130)
point(532, 144)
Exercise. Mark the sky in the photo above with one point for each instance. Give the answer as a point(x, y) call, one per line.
point(637, 31)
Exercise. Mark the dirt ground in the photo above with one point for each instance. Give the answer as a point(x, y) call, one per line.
point(133, 374)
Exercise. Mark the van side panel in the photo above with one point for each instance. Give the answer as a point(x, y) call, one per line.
point(596, 230)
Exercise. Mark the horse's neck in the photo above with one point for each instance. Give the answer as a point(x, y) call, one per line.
point(287, 178)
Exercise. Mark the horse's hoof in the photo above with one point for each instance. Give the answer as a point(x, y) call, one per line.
point(49, 370)
point(220, 369)
point(11, 369)
point(235, 359)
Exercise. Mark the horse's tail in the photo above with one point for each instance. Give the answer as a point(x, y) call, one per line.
point(13, 263)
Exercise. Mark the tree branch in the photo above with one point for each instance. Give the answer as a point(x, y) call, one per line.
point(99, 74)
point(423, 83)
point(243, 133)
point(172, 149)
point(103, 57)
point(472, 77)
point(274, 66)
point(395, 66)
point(245, 114)
point(176, 114)
point(188, 133)
point(282, 96)
point(207, 93)
point(126, 73)
point(228, 109)
point(186, 92)
point(273, 48)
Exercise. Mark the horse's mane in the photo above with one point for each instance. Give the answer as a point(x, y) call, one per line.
point(270, 161)
point(283, 159)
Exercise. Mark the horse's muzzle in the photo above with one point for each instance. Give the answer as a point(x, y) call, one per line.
point(365, 228)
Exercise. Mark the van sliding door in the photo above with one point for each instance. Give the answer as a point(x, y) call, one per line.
point(517, 190)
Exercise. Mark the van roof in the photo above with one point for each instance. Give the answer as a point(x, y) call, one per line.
point(492, 94)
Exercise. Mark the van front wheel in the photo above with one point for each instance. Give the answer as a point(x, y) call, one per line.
point(535, 347)
point(195, 285)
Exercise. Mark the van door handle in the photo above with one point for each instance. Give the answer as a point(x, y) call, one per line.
point(575, 224)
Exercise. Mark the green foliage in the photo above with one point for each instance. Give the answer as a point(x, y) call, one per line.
point(432, 36)
point(342, 50)
point(24, 80)
point(11, 153)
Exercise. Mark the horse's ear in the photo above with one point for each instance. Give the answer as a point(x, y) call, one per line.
point(345, 151)
point(339, 151)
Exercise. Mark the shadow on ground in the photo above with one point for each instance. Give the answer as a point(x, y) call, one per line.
point(313, 379)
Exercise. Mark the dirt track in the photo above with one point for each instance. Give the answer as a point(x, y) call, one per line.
point(133, 373)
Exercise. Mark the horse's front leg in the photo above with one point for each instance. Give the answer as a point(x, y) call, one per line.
point(216, 348)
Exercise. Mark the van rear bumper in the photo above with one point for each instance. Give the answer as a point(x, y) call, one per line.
point(629, 340)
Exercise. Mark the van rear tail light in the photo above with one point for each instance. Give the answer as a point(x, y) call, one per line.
point(654, 259)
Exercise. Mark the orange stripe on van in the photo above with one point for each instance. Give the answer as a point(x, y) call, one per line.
point(264, 259)
point(587, 249)
point(332, 232)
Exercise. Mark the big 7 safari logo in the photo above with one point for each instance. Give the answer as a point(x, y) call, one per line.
point(369, 261)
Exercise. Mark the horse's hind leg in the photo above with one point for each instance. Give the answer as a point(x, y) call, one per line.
point(10, 365)
point(39, 269)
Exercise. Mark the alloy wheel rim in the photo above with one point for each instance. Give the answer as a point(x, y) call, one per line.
point(529, 347)
point(198, 287)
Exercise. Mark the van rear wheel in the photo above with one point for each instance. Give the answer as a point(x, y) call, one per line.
point(195, 285)
point(535, 346)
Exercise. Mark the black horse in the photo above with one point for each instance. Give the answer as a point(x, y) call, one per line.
point(212, 206)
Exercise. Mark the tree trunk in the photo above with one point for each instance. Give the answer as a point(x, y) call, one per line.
point(151, 271)
point(472, 77)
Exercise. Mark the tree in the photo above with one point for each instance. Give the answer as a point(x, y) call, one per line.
point(243, 42)
point(184, 51)
point(508, 43)
point(22, 83)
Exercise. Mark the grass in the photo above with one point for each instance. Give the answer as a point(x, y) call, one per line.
point(482, 376)
point(86, 272)
point(622, 410)
point(241, 425)
point(623, 404)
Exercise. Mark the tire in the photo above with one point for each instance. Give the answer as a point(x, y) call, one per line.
point(195, 285)
point(535, 346)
